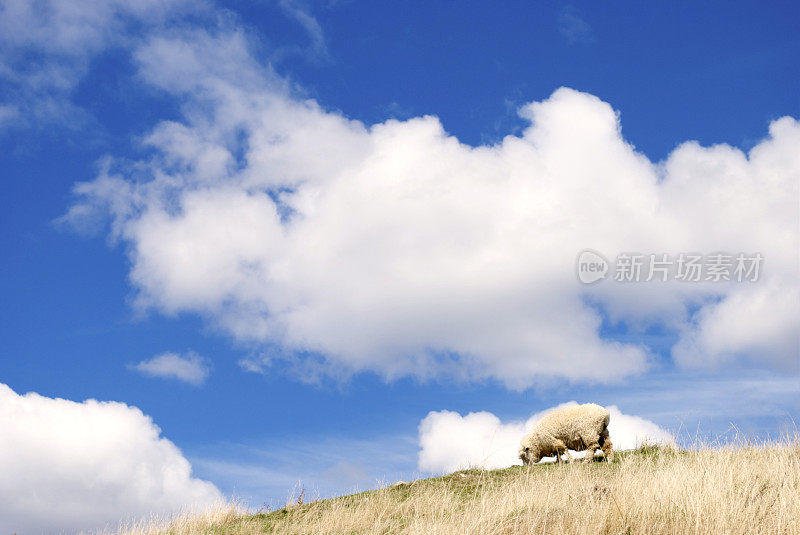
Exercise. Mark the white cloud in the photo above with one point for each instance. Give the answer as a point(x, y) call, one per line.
point(74, 28)
point(395, 248)
point(7, 114)
point(295, 10)
point(70, 466)
point(191, 368)
point(573, 28)
point(450, 442)
point(46, 46)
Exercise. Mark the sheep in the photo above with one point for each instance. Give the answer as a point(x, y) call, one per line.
point(577, 428)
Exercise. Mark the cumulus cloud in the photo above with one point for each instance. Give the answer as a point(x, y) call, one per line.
point(396, 248)
point(450, 442)
point(71, 466)
point(190, 368)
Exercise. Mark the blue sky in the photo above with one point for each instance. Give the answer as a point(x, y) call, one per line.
point(76, 314)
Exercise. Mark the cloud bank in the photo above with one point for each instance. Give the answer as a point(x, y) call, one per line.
point(397, 249)
point(450, 442)
point(191, 368)
point(70, 466)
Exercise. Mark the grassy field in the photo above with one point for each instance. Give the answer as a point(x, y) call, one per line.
point(743, 490)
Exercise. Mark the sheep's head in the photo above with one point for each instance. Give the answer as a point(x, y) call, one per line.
point(529, 455)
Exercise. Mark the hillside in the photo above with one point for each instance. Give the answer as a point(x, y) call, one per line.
point(648, 491)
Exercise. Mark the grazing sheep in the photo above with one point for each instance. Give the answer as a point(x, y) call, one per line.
point(577, 428)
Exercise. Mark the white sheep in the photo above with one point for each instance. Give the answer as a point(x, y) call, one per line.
point(577, 428)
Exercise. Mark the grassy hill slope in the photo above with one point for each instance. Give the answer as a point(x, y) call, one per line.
point(649, 491)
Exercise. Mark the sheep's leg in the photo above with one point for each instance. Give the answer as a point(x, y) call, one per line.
point(607, 447)
point(560, 449)
point(569, 456)
point(590, 452)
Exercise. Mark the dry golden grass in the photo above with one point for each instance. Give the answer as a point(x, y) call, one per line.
point(745, 490)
